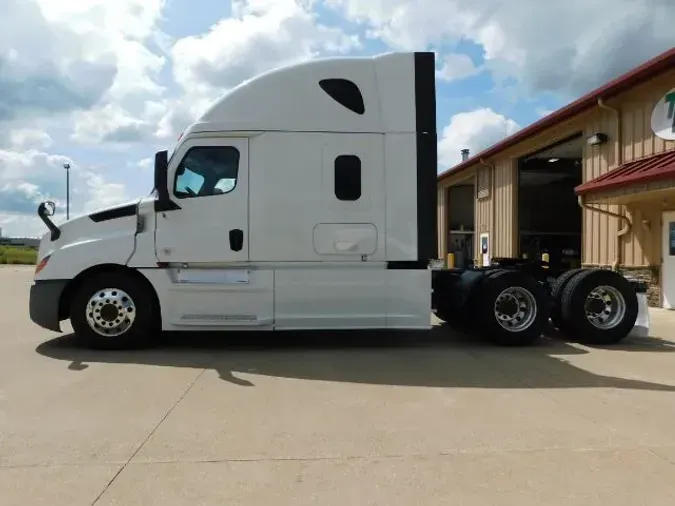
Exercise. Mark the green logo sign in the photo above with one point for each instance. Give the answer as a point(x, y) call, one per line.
point(670, 100)
point(663, 117)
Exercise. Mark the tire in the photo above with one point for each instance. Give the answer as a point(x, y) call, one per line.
point(521, 324)
point(456, 320)
point(118, 295)
point(556, 294)
point(608, 320)
point(464, 319)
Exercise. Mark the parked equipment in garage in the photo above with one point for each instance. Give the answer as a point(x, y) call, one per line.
point(312, 207)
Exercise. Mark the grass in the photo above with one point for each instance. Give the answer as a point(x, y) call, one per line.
point(17, 255)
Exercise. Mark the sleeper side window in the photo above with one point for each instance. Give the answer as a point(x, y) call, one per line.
point(348, 178)
point(206, 171)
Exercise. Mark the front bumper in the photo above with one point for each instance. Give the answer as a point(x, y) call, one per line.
point(45, 297)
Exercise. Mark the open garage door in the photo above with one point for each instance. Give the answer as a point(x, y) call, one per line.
point(549, 216)
point(461, 222)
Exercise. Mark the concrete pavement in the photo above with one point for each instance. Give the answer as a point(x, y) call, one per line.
point(367, 418)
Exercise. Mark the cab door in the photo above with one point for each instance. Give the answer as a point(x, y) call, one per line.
point(208, 180)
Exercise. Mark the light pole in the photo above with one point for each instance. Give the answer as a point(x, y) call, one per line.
point(67, 167)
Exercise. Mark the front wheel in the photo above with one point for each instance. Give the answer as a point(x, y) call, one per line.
point(112, 311)
point(512, 309)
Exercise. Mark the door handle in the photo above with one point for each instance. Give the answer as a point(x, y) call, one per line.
point(236, 239)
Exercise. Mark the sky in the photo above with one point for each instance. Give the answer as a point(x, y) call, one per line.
point(104, 84)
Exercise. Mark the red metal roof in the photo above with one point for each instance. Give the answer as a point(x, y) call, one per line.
point(651, 68)
point(644, 170)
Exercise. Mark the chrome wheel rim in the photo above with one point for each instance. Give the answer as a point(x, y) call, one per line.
point(110, 312)
point(515, 309)
point(605, 307)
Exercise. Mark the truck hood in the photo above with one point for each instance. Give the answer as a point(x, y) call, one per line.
point(106, 236)
point(104, 222)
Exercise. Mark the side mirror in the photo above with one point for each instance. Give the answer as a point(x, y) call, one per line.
point(163, 203)
point(161, 169)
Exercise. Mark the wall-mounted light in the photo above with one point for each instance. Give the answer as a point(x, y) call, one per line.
point(553, 160)
point(596, 139)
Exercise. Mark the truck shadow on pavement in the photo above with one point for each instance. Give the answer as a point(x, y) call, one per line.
point(436, 358)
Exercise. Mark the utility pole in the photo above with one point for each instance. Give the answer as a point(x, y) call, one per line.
point(67, 167)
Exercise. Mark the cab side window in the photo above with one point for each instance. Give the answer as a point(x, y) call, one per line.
point(207, 171)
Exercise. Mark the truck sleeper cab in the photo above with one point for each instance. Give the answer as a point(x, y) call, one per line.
point(303, 199)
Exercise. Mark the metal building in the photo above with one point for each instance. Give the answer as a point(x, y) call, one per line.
point(592, 184)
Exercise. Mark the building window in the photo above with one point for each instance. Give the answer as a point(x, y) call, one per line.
point(348, 177)
point(484, 183)
point(344, 92)
point(207, 171)
point(671, 238)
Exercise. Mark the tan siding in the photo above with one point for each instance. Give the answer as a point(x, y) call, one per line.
point(504, 209)
point(458, 178)
point(641, 246)
point(599, 230)
point(638, 139)
point(551, 136)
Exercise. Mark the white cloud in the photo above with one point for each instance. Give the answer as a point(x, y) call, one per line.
point(20, 225)
point(567, 47)
point(100, 193)
point(27, 138)
point(29, 177)
point(113, 123)
point(475, 130)
point(457, 66)
point(146, 164)
point(60, 56)
point(260, 35)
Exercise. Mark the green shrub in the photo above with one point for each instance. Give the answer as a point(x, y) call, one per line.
point(17, 255)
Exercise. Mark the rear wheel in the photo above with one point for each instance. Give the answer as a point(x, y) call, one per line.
point(556, 294)
point(113, 311)
point(600, 307)
point(512, 308)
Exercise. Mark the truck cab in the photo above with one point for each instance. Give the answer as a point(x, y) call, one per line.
point(303, 199)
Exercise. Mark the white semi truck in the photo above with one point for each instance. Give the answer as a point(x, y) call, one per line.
point(303, 199)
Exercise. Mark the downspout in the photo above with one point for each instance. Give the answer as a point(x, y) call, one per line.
point(624, 230)
point(618, 157)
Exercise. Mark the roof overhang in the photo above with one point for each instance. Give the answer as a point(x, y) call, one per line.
point(654, 173)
